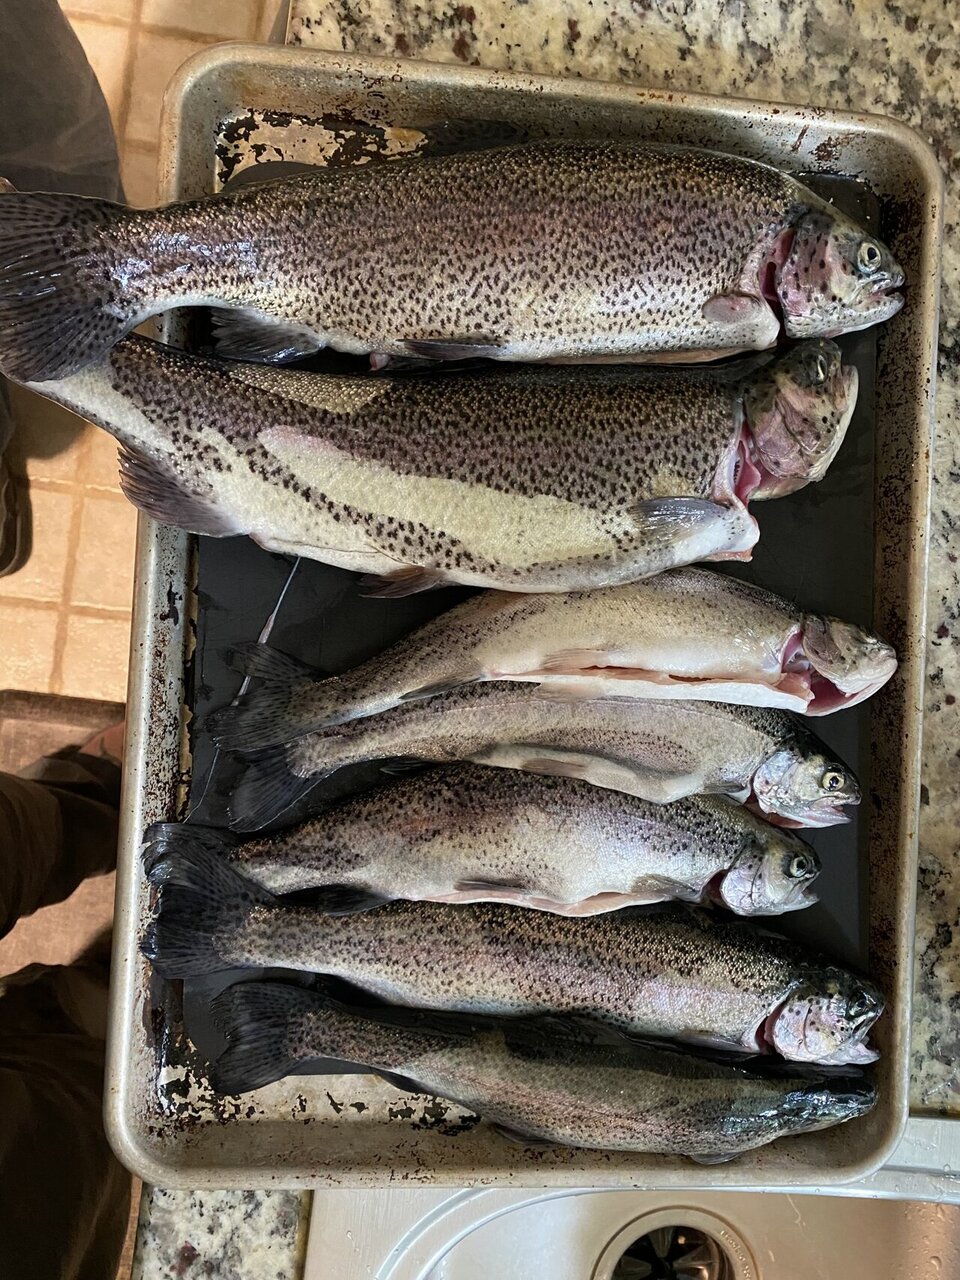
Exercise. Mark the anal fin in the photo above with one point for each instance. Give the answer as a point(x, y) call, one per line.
point(484, 885)
point(555, 768)
point(455, 681)
point(242, 335)
point(468, 347)
point(408, 581)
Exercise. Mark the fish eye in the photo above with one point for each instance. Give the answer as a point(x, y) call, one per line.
point(868, 256)
point(799, 866)
point(832, 779)
point(859, 1006)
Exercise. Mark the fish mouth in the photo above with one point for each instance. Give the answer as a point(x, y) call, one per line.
point(737, 476)
point(798, 898)
point(829, 693)
point(854, 1051)
point(880, 305)
point(829, 814)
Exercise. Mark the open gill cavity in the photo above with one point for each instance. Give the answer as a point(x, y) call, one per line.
point(824, 696)
point(769, 275)
point(747, 476)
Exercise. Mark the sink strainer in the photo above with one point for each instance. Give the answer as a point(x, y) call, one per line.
point(674, 1253)
point(676, 1244)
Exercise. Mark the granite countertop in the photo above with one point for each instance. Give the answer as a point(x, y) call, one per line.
point(901, 60)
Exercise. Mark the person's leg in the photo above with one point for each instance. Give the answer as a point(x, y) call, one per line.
point(64, 1197)
point(55, 129)
point(55, 135)
point(54, 833)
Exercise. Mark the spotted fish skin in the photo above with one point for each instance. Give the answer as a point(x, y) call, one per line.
point(470, 834)
point(533, 1081)
point(529, 478)
point(689, 633)
point(551, 250)
point(661, 751)
point(671, 971)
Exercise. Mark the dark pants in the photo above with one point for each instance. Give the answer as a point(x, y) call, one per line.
point(64, 1198)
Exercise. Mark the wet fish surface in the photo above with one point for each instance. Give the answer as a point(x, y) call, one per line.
point(565, 250)
point(470, 834)
point(661, 751)
point(686, 634)
point(534, 1084)
point(673, 972)
point(529, 479)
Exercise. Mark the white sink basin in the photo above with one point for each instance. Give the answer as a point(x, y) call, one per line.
point(495, 1234)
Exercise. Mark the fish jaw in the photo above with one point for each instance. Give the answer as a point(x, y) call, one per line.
point(856, 1053)
point(798, 411)
point(845, 665)
point(813, 818)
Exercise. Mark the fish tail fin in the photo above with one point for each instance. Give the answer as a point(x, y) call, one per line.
point(259, 1020)
point(266, 789)
point(60, 308)
point(163, 838)
point(277, 710)
point(201, 899)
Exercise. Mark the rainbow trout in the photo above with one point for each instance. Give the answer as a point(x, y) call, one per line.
point(661, 751)
point(686, 634)
point(470, 834)
point(530, 479)
point(533, 1084)
point(562, 250)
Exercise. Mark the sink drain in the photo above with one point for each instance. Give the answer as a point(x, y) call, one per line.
point(674, 1253)
point(676, 1244)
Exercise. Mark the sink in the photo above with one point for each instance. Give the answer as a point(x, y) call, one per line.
point(716, 1236)
point(901, 1224)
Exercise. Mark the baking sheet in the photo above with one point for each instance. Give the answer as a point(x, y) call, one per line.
point(355, 1130)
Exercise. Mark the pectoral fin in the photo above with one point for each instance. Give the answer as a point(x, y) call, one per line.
point(162, 495)
point(408, 581)
point(733, 308)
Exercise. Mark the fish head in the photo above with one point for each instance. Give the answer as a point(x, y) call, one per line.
point(772, 874)
point(835, 278)
point(848, 664)
point(797, 412)
point(826, 1019)
point(819, 1102)
point(802, 785)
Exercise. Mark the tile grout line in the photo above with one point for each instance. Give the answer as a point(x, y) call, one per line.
point(98, 19)
point(98, 612)
point(129, 61)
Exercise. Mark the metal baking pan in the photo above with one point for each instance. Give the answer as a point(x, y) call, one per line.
point(856, 544)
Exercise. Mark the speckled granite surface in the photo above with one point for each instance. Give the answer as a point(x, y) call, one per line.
point(229, 1235)
point(898, 59)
